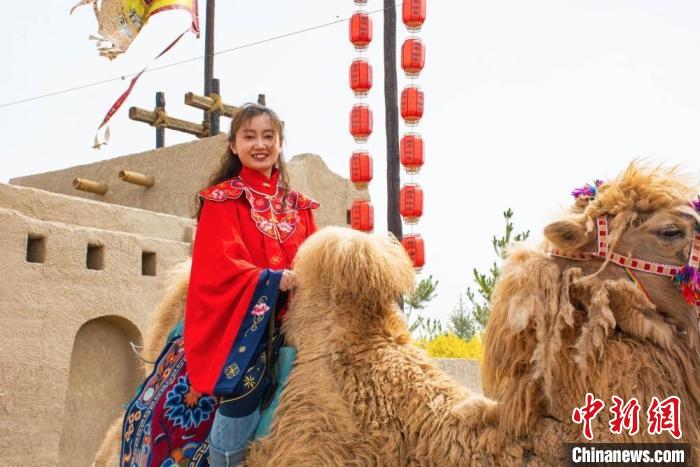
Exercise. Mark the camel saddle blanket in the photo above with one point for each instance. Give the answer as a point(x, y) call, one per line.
point(168, 423)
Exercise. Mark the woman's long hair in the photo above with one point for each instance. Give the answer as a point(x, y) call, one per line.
point(231, 164)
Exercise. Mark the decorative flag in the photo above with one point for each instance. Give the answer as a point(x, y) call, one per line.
point(119, 22)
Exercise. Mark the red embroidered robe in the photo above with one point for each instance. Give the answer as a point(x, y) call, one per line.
point(244, 227)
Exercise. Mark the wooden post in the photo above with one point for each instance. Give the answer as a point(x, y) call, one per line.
point(393, 165)
point(136, 178)
point(160, 131)
point(90, 186)
point(150, 117)
point(205, 102)
point(209, 51)
point(261, 99)
point(214, 116)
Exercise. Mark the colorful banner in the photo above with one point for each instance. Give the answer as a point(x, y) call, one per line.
point(121, 20)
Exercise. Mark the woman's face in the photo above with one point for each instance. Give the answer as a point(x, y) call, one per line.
point(257, 144)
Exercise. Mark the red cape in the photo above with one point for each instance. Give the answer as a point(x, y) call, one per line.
point(232, 245)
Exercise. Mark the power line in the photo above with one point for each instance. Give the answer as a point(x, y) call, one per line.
point(232, 49)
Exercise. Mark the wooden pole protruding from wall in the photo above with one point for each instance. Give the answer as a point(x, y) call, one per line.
point(137, 178)
point(160, 130)
point(83, 184)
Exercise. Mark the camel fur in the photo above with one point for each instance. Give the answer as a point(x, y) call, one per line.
point(561, 328)
point(360, 393)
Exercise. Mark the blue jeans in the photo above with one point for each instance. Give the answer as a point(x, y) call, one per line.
point(229, 438)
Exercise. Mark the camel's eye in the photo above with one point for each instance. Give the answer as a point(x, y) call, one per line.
point(671, 232)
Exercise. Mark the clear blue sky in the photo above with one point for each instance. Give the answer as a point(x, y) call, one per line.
point(524, 100)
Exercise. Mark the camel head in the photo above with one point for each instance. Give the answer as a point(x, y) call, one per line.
point(576, 317)
point(352, 279)
point(650, 216)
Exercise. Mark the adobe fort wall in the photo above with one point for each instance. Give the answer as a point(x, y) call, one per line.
point(78, 282)
point(182, 170)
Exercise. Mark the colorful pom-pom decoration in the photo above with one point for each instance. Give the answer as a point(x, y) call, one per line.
point(688, 280)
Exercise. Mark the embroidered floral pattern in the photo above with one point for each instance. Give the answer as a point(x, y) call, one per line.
point(274, 216)
point(181, 456)
point(260, 309)
point(187, 408)
point(248, 382)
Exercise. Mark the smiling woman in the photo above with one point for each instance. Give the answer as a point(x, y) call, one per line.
point(257, 144)
point(250, 226)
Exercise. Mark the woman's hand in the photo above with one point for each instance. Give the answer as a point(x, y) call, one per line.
point(289, 281)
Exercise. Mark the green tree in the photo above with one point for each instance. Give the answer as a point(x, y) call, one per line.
point(461, 321)
point(415, 302)
point(464, 321)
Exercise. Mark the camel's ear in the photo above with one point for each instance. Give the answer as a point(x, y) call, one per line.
point(567, 235)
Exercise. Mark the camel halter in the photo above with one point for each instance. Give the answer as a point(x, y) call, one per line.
point(686, 277)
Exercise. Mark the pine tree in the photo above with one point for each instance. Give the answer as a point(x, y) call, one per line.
point(416, 301)
point(465, 321)
point(461, 321)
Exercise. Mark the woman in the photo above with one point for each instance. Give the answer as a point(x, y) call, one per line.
point(250, 227)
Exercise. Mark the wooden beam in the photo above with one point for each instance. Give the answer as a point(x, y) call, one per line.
point(150, 117)
point(137, 178)
point(91, 186)
point(205, 103)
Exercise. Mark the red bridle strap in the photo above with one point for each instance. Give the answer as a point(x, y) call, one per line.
point(621, 260)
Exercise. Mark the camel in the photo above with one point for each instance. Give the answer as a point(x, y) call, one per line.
point(562, 327)
point(360, 393)
point(363, 394)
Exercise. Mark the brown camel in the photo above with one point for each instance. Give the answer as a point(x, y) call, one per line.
point(361, 394)
point(561, 328)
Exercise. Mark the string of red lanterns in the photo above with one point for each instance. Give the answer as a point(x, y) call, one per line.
point(411, 145)
point(361, 211)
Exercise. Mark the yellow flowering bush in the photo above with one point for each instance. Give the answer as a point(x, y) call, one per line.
point(451, 346)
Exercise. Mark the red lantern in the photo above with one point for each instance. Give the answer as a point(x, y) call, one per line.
point(362, 216)
point(411, 149)
point(360, 169)
point(360, 122)
point(412, 57)
point(411, 203)
point(360, 77)
point(415, 247)
point(413, 14)
point(411, 104)
point(360, 30)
